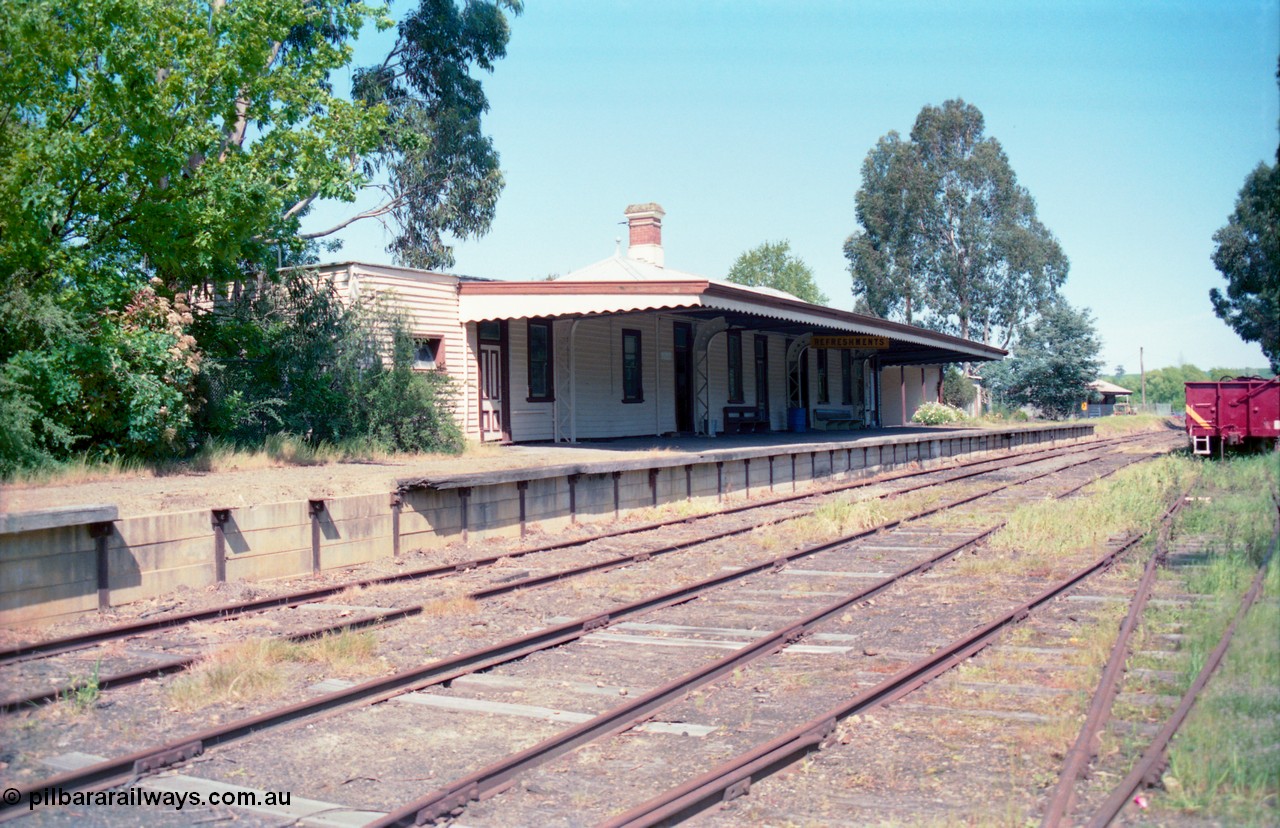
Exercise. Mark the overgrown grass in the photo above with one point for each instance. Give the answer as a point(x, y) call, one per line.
point(1225, 762)
point(1039, 537)
point(253, 670)
point(1131, 424)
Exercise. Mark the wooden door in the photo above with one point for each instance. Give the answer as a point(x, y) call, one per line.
point(491, 420)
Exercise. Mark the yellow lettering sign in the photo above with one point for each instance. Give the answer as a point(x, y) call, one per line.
point(858, 341)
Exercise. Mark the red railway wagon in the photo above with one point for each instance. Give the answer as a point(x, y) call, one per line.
point(1244, 411)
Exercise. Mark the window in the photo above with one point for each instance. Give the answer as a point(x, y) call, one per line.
point(427, 353)
point(846, 377)
point(541, 379)
point(824, 379)
point(490, 331)
point(632, 386)
point(735, 366)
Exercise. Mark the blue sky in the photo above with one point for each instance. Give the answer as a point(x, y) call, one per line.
point(1133, 124)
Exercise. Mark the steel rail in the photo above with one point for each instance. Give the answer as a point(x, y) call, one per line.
point(119, 770)
point(1148, 767)
point(1085, 746)
point(494, 778)
point(80, 641)
point(733, 778)
point(13, 704)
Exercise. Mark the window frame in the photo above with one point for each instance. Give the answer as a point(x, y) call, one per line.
point(437, 344)
point(632, 395)
point(733, 348)
point(549, 367)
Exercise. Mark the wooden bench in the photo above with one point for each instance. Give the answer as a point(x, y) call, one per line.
point(744, 419)
point(835, 419)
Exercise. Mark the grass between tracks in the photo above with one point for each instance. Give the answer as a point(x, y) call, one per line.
point(255, 669)
point(852, 512)
point(1131, 424)
point(1042, 540)
point(1225, 762)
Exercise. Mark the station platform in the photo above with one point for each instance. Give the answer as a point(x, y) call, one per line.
point(76, 559)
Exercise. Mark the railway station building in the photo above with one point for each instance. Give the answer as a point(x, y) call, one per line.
point(627, 347)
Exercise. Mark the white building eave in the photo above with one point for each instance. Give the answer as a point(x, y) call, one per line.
point(532, 300)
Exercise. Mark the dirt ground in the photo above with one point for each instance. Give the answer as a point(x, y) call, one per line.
point(145, 494)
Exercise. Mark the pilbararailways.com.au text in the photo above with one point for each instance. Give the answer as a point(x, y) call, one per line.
point(142, 798)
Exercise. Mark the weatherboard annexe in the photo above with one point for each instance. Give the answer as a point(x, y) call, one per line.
point(58, 564)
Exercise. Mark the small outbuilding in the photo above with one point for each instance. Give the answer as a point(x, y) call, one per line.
point(1110, 393)
point(628, 347)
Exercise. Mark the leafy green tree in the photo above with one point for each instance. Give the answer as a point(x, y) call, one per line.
point(772, 264)
point(151, 147)
point(948, 238)
point(1248, 256)
point(442, 167)
point(1055, 359)
point(888, 281)
point(173, 139)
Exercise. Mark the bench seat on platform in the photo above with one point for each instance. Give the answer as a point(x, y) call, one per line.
point(835, 419)
point(744, 419)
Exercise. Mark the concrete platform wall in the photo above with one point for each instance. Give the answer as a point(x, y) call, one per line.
point(53, 569)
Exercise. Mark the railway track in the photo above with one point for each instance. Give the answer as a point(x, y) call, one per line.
point(963, 749)
point(774, 692)
point(696, 635)
point(153, 650)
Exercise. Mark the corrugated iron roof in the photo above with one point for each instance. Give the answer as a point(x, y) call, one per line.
point(595, 296)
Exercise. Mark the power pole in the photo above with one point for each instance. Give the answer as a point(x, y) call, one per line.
point(1143, 369)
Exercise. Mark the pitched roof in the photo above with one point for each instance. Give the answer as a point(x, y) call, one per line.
point(622, 285)
point(1104, 387)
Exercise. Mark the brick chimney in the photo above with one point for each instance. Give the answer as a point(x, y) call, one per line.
point(645, 224)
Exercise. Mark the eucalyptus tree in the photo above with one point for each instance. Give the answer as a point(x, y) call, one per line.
point(1247, 253)
point(883, 252)
point(948, 237)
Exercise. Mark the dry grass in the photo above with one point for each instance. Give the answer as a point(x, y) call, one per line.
point(255, 669)
point(840, 518)
point(1131, 424)
point(232, 675)
point(450, 607)
point(278, 451)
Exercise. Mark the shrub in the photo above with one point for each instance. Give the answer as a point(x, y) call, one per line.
point(957, 389)
point(292, 358)
point(933, 413)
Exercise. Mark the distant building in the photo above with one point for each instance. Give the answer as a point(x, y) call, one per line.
point(629, 347)
point(1110, 393)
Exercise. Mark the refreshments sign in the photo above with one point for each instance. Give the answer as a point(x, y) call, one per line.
point(856, 341)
